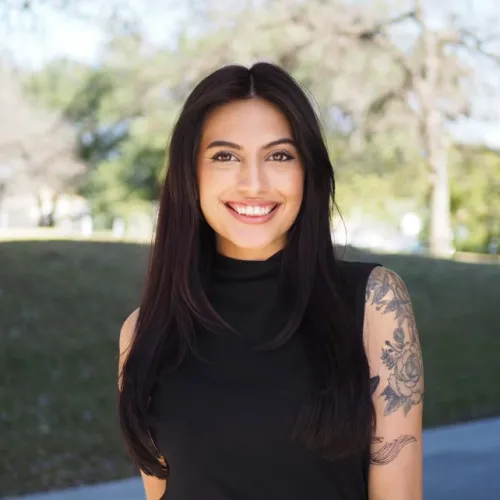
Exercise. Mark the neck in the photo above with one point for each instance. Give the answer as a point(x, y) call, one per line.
point(229, 249)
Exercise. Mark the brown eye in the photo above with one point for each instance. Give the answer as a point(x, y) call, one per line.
point(281, 156)
point(223, 156)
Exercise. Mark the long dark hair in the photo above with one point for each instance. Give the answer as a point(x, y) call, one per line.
point(338, 419)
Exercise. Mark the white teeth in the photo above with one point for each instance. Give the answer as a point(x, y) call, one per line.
point(252, 211)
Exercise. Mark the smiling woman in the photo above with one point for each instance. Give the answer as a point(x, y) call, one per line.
point(251, 181)
point(259, 365)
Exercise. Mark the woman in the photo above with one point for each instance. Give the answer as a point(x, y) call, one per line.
point(259, 365)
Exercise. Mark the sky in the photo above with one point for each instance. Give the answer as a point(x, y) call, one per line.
point(48, 34)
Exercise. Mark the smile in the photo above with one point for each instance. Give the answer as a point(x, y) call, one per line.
point(252, 213)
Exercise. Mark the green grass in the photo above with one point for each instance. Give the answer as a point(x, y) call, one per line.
point(61, 307)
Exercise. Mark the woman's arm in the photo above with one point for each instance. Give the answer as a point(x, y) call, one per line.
point(395, 359)
point(153, 487)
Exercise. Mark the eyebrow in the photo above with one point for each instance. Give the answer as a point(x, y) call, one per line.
point(228, 144)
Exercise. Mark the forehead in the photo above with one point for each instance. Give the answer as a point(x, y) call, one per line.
point(245, 121)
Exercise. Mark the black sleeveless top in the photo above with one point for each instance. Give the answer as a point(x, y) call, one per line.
point(225, 426)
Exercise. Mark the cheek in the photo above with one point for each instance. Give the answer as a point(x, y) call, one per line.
point(293, 188)
point(209, 188)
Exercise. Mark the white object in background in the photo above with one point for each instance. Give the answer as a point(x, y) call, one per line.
point(411, 224)
point(65, 225)
point(4, 220)
point(87, 226)
point(118, 228)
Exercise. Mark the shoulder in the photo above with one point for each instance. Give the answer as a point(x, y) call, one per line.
point(126, 336)
point(389, 317)
point(386, 291)
point(127, 331)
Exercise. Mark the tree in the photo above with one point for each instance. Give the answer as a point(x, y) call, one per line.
point(434, 79)
point(475, 204)
point(435, 87)
point(121, 111)
point(39, 145)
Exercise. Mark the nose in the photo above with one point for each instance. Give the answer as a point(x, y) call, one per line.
point(252, 180)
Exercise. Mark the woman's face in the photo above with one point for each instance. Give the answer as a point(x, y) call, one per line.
point(250, 178)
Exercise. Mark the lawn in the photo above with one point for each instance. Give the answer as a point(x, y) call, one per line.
point(61, 307)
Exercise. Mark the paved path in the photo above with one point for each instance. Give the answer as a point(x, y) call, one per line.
point(461, 462)
point(128, 489)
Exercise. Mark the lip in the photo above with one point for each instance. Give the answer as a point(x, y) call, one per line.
point(253, 219)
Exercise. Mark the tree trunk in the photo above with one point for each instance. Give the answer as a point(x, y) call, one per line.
point(440, 233)
point(47, 203)
point(435, 143)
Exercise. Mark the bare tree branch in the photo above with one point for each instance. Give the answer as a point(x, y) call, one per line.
point(468, 37)
point(40, 145)
point(378, 28)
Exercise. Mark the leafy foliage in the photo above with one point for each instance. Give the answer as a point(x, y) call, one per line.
point(475, 184)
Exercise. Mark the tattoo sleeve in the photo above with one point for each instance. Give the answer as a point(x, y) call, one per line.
point(390, 451)
point(401, 355)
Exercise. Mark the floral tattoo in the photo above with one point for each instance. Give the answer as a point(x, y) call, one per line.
point(402, 355)
point(390, 450)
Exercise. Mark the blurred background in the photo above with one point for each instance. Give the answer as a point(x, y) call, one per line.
point(409, 95)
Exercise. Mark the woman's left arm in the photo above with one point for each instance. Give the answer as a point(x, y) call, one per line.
point(395, 358)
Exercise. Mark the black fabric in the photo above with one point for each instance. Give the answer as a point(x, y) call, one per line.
point(225, 426)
